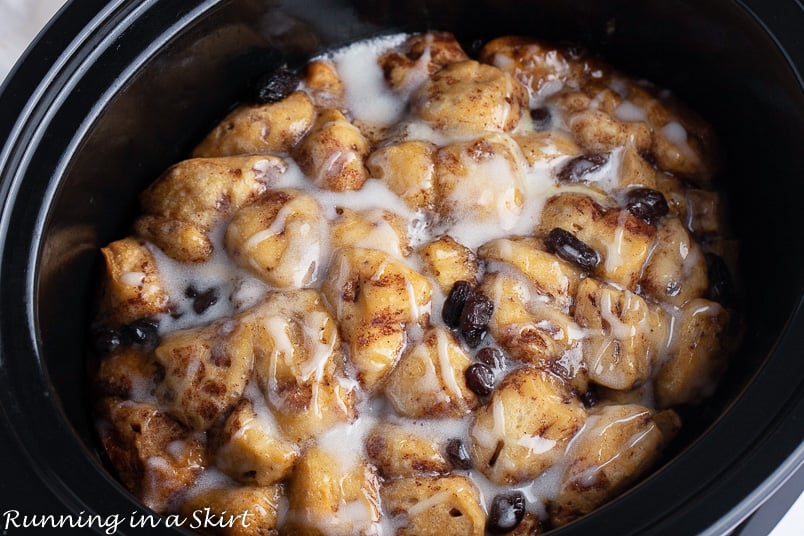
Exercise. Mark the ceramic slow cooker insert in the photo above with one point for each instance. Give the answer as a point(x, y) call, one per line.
point(115, 92)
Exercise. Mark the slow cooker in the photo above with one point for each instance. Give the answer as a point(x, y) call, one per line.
point(114, 92)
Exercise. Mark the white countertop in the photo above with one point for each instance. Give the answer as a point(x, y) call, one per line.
point(21, 20)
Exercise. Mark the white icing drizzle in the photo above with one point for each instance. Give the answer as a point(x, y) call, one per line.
point(498, 197)
point(367, 95)
point(133, 279)
point(445, 364)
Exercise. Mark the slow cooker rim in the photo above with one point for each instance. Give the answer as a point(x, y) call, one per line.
point(76, 18)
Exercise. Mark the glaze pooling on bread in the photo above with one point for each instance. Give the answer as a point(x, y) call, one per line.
point(317, 380)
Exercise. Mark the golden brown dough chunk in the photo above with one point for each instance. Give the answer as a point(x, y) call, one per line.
point(408, 170)
point(333, 493)
point(206, 371)
point(676, 269)
point(542, 67)
point(552, 277)
point(263, 128)
point(610, 111)
point(594, 114)
point(322, 80)
point(128, 372)
point(429, 379)
point(674, 193)
point(627, 336)
point(193, 196)
point(622, 240)
point(542, 147)
point(281, 238)
point(435, 506)
point(618, 444)
point(408, 66)
point(332, 153)
point(683, 144)
point(155, 456)
point(532, 331)
point(635, 170)
point(133, 287)
point(371, 229)
point(697, 354)
point(397, 452)
point(447, 261)
point(375, 298)
point(250, 448)
point(470, 97)
point(481, 180)
point(240, 511)
point(525, 427)
point(299, 363)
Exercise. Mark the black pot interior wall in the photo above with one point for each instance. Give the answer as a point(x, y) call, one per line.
point(710, 53)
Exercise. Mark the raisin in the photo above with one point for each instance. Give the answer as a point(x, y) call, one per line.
point(506, 512)
point(475, 318)
point(453, 305)
point(143, 331)
point(480, 379)
point(542, 119)
point(590, 398)
point(491, 357)
point(568, 247)
point(276, 85)
point(649, 157)
point(721, 284)
point(646, 204)
point(205, 300)
point(575, 169)
point(458, 455)
point(107, 340)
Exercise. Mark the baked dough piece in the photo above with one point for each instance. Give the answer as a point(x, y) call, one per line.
point(523, 430)
point(299, 363)
point(133, 288)
point(406, 67)
point(206, 371)
point(250, 448)
point(281, 238)
point(408, 169)
point(618, 444)
point(397, 451)
point(470, 97)
point(264, 128)
point(627, 336)
point(375, 297)
point(675, 272)
point(697, 354)
point(463, 185)
point(433, 506)
point(429, 379)
point(622, 240)
point(332, 153)
point(157, 457)
point(332, 495)
point(242, 511)
point(183, 206)
point(447, 261)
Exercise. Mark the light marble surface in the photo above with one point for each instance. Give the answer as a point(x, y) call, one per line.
point(21, 20)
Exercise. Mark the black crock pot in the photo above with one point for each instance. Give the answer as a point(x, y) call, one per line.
point(114, 92)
